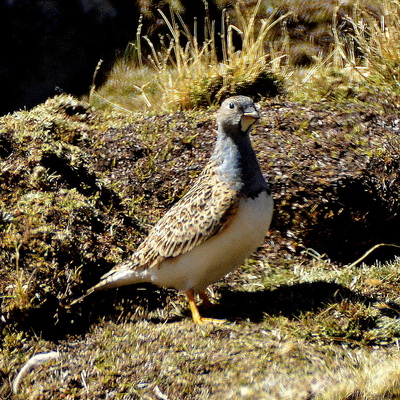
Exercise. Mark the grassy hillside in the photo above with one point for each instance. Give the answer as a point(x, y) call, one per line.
point(315, 313)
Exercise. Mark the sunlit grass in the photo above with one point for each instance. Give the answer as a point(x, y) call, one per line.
point(367, 59)
point(199, 67)
point(379, 42)
point(181, 73)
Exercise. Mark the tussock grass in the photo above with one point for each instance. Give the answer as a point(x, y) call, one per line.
point(379, 43)
point(257, 54)
point(361, 62)
point(181, 73)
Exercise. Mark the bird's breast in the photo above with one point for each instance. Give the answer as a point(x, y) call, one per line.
point(221, 253)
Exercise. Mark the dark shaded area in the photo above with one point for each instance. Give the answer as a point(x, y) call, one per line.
point(287, 300)
point(5, 145)
point(356, 218)
point(54, 321)
point(50, 46)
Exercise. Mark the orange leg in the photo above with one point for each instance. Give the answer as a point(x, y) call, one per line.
point(205, 300)
point(197, 318)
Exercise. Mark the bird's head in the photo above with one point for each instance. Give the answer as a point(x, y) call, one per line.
point(236, 115)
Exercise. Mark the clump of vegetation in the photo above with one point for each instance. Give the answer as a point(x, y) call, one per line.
point(189, 74)
point(378, 42)
point(322, 49)
point(356, 54)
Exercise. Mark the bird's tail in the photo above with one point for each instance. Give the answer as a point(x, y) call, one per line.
point(121, 275)
point(80, 299)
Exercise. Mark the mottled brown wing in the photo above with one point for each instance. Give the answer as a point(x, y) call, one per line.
point(203, 212)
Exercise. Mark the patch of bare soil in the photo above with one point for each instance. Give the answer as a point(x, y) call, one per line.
point(334, 170)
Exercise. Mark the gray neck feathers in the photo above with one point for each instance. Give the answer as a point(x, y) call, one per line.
point(237, 164)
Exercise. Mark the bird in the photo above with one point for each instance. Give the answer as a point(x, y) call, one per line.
point(220, 221)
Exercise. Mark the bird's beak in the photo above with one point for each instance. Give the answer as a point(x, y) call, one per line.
point(251, 113)
point(250, 116)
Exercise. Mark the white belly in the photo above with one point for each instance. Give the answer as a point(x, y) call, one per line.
point(207, 263)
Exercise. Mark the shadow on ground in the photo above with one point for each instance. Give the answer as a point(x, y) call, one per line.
point(53, 321)
point(289, 301)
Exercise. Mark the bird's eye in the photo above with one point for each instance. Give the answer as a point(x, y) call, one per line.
point(231, 106)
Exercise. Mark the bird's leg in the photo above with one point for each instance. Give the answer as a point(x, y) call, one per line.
point(205, 300)
point(197, 318)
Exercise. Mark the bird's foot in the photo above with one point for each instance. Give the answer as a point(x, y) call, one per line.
point(197, 318)
point(214, 321)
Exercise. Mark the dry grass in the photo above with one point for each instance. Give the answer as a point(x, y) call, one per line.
point(248, 57)
point(182, 73)
point(379, 43)
point(361, 62)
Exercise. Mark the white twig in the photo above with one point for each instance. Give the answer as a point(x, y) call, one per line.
point(32, 363)
point(159, 394)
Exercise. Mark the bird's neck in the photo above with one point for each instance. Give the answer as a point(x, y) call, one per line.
point(237, 164)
